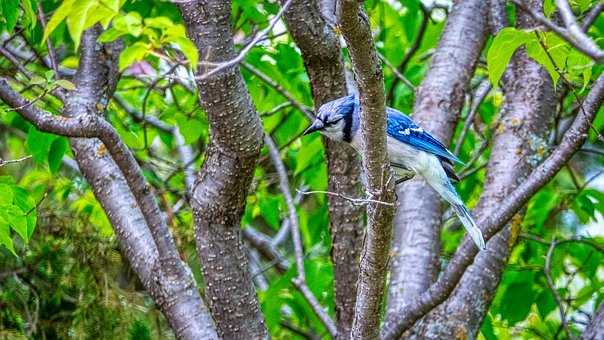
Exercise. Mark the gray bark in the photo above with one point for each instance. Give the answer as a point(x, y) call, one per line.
point(114, 175)
point(518, 144)
point(321, 54)
point(223, 182)
point(380, 184)
point(169, 282)
point(439, 99)
point(595, 329)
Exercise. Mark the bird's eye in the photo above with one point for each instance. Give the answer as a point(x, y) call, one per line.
point(332, 123)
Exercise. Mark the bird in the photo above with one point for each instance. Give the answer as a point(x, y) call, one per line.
point(411, 151)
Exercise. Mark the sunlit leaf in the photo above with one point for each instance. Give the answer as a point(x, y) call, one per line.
point(505, 44)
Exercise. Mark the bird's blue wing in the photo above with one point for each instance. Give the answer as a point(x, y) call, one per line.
point(403, 129)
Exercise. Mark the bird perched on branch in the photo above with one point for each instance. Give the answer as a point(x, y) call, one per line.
point(411, 151)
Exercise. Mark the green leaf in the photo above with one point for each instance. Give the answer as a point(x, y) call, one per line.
point(76, 21)
point(10, 13)
point(29, 14)
point(58, 16)
point(536, 52)
point(100, 14)
point(505, 44)
point(162, 23)
point(5, 238)
point(308, 154)
point(191, 129)
point(189, 50)
point(132, 54)
point(27, 205)
point(110, 35)
point(66, 84)
point(38, 144)
point(7, 194)
point(517, 301)
point(487, 329)
point(56, 152)
point(37, 80)
point(545, 303)
point(548, 7)
point(17, 221)
point(131, 23)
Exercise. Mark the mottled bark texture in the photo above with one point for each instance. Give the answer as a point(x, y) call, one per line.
point(519, 144)
point(114, 180)
point(168, 281)
point(438, 101)
point(223, 182)
point(322, 58)
point(375, 254)
point(595, 329)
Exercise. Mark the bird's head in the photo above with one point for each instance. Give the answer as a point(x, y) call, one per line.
point(335, 119)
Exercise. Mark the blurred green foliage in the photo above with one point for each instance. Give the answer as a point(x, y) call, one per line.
point(67, 278)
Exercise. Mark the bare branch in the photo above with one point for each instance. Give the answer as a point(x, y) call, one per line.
point(355, 201)
point(300, 280)
point(51, 51)
point(217, 67)
point(552, 287)
point(4, 162)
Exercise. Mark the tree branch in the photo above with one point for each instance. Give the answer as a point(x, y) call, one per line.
point(300, 280)
point(595, 328)
point(219, 194)
point(320, 48)
point(572, 32)
point(356, 30)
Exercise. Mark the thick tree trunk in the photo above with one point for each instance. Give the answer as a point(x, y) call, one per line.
point(439, 99)
point(321, 54)
point(173, 289)
point(220, 191)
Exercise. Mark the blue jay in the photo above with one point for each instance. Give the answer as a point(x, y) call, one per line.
point(411, 150)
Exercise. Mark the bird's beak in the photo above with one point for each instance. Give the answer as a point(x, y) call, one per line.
point(315, 126)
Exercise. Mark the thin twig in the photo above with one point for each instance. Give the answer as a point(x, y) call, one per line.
point(355, 201)
point(396, 72)
point(4, 162)
point(300, 280)
point(481, 93)
point(51, 51)
point(257, 38)
point(282, 91)
point(552, 287)
point(572, 32)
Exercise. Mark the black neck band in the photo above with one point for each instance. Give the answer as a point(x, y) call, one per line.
point(348, 128)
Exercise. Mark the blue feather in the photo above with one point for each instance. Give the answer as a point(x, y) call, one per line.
point(403, 129)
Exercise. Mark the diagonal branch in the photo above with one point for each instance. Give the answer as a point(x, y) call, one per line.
point(572, 32)
point(300, 280)
point(356, 30)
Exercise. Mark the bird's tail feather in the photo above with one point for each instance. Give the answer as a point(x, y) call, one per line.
point(468, 223)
